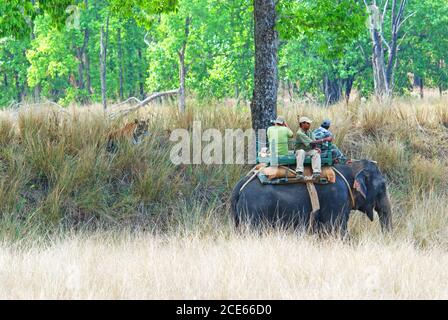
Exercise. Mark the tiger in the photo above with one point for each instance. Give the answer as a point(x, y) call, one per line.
point(135, 130)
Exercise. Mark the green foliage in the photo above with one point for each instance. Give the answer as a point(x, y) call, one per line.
point(45, 53)
point(331, 24)
point(143, 11)
point(219, 51)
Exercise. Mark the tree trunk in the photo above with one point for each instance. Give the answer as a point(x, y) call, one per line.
point(79, 55)
point(140, 76)
point(383, 75)
point(182, 69)
point(332, 90)
point(86, 59)
point(5, 80)
point(421, 88)
point(348, 88)
point(103, 67)
point(379, 74)
point(182, 82)
point(120, 63)
point(264, 101)
point(18, 89)
point(418, 82)
point(37, 87)
point(87, 62)
point(441, 65)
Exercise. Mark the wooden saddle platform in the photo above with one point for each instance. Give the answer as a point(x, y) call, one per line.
point(286, 175)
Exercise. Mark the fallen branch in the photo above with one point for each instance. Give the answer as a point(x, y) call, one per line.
point(126, 101)
point(144, 102)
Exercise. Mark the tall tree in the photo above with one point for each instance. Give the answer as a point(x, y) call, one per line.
point(182, 67)
point(383, 72)
point(264, 101)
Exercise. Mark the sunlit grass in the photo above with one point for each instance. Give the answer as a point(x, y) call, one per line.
point(134, 225)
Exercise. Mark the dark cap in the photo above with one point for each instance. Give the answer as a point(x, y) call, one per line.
point(326, 123)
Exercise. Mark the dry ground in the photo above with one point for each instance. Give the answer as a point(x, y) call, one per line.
point(277, 265)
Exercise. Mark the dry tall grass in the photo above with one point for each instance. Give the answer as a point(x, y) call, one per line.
point(168, 232)
point(276, 265)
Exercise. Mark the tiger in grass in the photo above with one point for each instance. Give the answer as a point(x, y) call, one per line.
point(135, 130)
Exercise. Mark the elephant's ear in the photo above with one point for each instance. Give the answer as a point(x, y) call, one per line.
point(360, 185)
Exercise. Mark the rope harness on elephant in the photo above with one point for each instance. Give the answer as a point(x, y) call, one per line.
point(352, 197)
point(315, 205)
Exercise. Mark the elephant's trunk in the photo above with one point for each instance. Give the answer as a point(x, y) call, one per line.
point(384, 209)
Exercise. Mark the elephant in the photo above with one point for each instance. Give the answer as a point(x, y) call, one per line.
point(290, 204)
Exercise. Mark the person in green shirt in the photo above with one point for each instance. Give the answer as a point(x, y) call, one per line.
point(278, 135)
point(306, 146)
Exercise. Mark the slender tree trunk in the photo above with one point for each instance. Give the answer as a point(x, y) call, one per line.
point(79, 55)
point(421, 88)
point(264, 101)
point(348, 88)
point(5, 79)
point(120, 63)
point(103, 68)
point(16, 80)
point(182, 68)
point(85, 55)
point(182, 82)
point(379, 73)
point(441, 65)
point(37, 87)
point(87, 62)
point(140, 76)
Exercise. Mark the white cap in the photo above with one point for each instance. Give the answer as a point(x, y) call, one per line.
point(305, 119)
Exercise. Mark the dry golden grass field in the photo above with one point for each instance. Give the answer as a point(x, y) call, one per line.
point(78, 223)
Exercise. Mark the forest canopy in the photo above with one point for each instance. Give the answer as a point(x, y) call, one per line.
point(326, 49)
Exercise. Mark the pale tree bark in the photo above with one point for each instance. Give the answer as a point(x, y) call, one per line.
point(380, 82)
point(264, 101)
point(182, 67)
point(384, 66)
point(37, 87)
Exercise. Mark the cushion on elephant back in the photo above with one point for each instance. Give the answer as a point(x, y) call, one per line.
point(327, 173)
point(278, 172)
point(285, 172)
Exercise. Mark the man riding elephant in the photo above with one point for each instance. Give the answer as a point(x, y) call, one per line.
point(278, 135)
point(358, 186)
point(324, 132)
point(306, 146)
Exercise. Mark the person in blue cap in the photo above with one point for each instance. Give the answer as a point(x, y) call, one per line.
point(324, 132)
